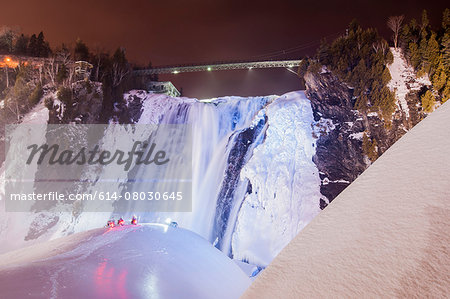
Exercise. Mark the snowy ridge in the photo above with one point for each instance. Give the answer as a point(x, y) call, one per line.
point(404, 80)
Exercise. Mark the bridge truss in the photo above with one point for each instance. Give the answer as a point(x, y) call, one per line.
point(218, 67)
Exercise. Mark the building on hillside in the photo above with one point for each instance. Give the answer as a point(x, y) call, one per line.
point(164, 87)
point(82, 69)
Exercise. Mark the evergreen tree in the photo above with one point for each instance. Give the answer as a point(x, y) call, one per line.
point(33, 49)
point(415, 55)
point(42, 47)
point(119, 57)
point(424, 57)
point(302, 68)
point(446, 20)
point(446, 92)
point(386, 76)
point(81, 51)
point(370, 147)
point(21, 46)
point(354, 26)
point(360, 59)
point(433, 57)
point(40, 44)
point(64, 94)
point(428, 101)
point(62, 74)
point(322, 52)
point(446, 50)
point(36, 95)
point(409, 37)
point(439, 78)
point(425, 25)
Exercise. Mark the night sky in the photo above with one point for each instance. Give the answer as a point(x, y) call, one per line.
point(198, 31)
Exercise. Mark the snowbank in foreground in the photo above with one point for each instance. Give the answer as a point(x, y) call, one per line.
point(150, 261)
point(386, 235)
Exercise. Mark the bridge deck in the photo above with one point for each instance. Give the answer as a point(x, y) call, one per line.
point(219, 67)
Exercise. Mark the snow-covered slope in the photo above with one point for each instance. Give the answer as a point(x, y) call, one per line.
point(386, 235)
point(404, 80)
point(14, 227)
point(150, 261)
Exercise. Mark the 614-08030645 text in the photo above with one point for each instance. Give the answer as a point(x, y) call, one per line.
point(104, 196)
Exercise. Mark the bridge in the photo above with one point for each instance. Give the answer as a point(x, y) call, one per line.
point(219, 67)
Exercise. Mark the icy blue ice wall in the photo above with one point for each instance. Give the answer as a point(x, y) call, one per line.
point(254, 184)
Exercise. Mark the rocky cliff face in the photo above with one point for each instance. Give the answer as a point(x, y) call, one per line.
point(340, 129)
point(85, 106)
point(339, 155)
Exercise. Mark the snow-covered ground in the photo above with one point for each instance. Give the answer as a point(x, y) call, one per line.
point(37, 115)
point(404, 79)
point(148, 261)
point(386, 235)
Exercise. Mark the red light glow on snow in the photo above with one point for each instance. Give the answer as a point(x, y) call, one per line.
point(109, 283)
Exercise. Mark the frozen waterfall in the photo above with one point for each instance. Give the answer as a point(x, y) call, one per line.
point(254, 185)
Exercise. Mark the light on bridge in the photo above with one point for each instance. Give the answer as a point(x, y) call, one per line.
point(209, 69)
point(175, 72)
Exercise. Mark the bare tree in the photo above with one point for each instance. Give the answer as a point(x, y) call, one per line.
point(63, 56)
point(99, 57)
point(119, 72)
point(7, 38)
point(7, 77)
point(51, 69)
point(70, 76)
point(13, 106)
point(120, 67)
point(380, 46)
point(395, 24)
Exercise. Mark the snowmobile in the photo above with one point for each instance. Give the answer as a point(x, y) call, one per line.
point(110, 223)
point(120, 222)
point(134, 220)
